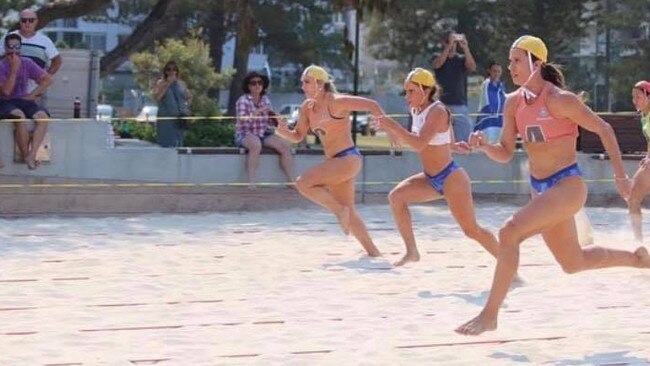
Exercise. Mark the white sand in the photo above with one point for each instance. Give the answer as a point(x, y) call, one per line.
point(287, 288)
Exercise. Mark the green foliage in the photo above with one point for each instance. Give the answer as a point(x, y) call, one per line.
point(7, 6)
point(137, 130)
point(196, 69)
point(210, 133)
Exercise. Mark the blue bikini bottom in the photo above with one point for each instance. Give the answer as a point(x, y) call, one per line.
point(540, 185)
point(438, 181)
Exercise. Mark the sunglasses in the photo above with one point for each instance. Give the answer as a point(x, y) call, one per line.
point(13, 46)
point(255, 82)
point(27, 20)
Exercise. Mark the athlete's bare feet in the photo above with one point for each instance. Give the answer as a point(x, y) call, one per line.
point(410, 256)
point(644, 257)
point(373, 252)
point(344, 219)
point(477, 325)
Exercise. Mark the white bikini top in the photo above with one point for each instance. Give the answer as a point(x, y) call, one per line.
point(441, 138)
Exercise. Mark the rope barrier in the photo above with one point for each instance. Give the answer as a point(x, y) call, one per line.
point(237, 184)
point(150, 119)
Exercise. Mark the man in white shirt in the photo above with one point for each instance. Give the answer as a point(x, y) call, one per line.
point(36, 45)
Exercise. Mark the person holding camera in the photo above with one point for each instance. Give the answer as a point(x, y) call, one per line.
point(451, 69)
point(255, 126)
point(173, 99)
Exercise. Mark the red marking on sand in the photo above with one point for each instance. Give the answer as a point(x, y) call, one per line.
point(437, 252)
point(21, 280)
point(219, 256)
point(311, 352)
point(54, 261)
point(269, 322)
point(429, 314)
point(500, 341)
point(20, 333)
point(394, 253)
point(173, 302)
point(482, 266)
point(535, 265)
point(22, 308)
point(246, 243)
point(245, 231)
point(513, 311)
point(305, 270)
point(152, 361)
point(71, 279)
point(115, 305)
point(132, 328)
point(455, 266)
point(613, 307)
point(241, 356)
point(203, 301)
point(335, 269)
point(388, 293)
point(333, 254)
point(336, 319)
point(232, 323)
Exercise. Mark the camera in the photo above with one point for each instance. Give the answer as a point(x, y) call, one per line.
point(459, 37)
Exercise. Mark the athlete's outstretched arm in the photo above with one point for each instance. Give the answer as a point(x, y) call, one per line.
point(302, 126)
point(437, 121)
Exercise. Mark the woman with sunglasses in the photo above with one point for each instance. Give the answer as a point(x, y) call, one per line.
point(255, 127)
point(173, 99)
point(330, 184)
point(547, 116)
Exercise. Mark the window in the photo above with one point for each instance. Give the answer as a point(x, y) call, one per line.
point(70, 23)
point(95, 41)
point(72, 39)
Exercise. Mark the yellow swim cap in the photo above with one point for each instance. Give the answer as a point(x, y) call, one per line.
point(421, 76)
point(317, 73)
point(533, 45)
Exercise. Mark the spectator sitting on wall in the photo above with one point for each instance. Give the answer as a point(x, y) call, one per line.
point(36, 45)
point(493, 96)
point(254, 126)
point(16, 101)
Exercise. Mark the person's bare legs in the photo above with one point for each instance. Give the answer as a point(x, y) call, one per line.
point(331, 172)
point(413, 189)
point(286, 159)
point(344, 194)
point(458, 194)
point(37, 139)
point(254, 146)
point(551, 215)
point(21, 135)
point(640, 188)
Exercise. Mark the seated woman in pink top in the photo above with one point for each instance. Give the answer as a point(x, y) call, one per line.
point(546, 116)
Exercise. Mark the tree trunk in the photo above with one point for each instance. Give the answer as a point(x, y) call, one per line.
point(246, 38)
point(163, 21)
point(216, 24)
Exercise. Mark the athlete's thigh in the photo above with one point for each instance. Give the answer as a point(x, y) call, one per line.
point(344, 192)
point(562, 241)
point(458, 194)
point(557, 204)
point(640, 183)
point(332, 171)
point(415, 188)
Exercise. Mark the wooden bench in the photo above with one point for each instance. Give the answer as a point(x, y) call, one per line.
point(627, 128)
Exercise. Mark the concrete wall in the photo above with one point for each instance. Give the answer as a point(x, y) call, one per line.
point(80, 151)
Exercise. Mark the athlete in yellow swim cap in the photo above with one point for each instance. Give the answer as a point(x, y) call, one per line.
point(331, 183)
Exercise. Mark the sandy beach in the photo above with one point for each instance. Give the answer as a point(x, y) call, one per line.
point(287, 288)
